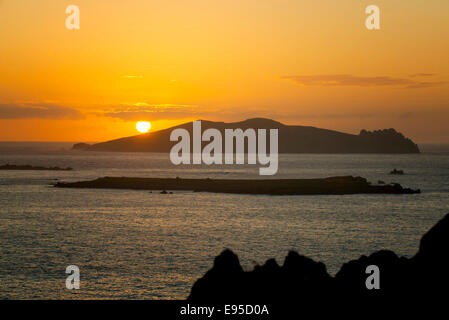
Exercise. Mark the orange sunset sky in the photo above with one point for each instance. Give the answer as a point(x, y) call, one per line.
point(307, 62)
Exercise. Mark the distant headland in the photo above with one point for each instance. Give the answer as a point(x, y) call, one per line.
point(29, 167)
point(292, 139)
point(324, 186)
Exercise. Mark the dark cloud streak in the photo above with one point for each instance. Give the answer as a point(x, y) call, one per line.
point(152, 112)
point(419, 75)
point(347, 80)
point(38, 111)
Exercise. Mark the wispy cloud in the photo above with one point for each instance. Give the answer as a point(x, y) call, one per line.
point(151, 112)
point(38, 111)
point(347, 80)
point(422, 85)
point(133, 76)
point(143, 110)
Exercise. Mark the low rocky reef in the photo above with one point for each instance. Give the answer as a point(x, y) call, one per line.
point(324, 186)
point(395, 171)
point(81, 146)
point(302, 279)
point(29, 167)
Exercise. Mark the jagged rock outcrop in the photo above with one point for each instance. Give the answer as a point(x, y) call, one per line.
point(302, 279)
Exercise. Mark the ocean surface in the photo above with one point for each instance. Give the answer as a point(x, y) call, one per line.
point(141, 245)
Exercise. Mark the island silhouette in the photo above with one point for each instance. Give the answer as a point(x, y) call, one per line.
point(31, 168)
point(292, 139)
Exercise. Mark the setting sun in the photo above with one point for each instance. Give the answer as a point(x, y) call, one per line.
point(143, 126)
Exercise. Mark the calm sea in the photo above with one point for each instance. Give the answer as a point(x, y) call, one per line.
point(141, 245)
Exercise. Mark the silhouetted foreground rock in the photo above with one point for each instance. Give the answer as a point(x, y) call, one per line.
point(302, 279)
point(28, 167)
point(333, 185)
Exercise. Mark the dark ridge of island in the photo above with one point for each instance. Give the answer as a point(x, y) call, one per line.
point(301, 279)
point(292, 139)
point(324, 186)
point(29, 167)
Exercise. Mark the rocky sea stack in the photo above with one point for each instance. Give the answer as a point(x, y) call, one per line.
point(292, 139)
point(302, 279)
